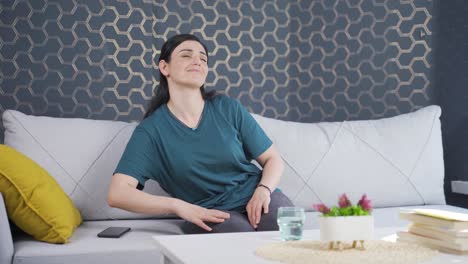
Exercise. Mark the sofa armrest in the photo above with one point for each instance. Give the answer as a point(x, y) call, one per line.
point(6, 241)
point(460, 187)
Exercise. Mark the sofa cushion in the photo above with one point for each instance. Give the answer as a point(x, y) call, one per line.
point(34, 200)
point(136, 246)
point(396, 161)
point(81, 154)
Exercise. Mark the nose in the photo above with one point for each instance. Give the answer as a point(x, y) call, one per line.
point(196, 60)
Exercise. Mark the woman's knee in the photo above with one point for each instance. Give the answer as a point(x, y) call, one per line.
point(268, 221)
point(237, 222)
point(279, 199)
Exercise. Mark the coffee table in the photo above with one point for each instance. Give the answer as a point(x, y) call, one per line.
point(235, 248)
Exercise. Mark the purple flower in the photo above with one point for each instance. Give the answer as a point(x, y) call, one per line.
point(321, 208)
point(343, 201)
point(365, 203)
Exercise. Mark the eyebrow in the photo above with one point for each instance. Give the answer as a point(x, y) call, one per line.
point(192, 51)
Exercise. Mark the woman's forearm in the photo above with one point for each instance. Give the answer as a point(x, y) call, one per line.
point(134, 200)
point(272, 171)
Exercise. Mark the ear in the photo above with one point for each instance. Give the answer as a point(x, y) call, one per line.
point(163, 67)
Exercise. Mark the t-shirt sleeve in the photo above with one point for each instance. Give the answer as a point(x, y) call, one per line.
point(254, 139)
point(140, 158)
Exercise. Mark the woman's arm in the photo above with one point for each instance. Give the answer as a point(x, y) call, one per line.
point(123, 194)
point(273, 167)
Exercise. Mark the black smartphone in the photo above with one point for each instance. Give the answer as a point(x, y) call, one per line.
point(113, 232)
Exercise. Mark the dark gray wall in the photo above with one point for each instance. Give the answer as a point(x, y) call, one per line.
point(451, 82)
point(296, 60)
point(313, 60)
point(89, 58)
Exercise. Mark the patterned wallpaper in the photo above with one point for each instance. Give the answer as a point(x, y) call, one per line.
point(88, 58)
point(312, 60)
point(300, 60)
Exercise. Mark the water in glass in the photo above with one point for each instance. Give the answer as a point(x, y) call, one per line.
point(290, 222)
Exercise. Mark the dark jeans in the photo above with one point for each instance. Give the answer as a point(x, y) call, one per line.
point(239, 222)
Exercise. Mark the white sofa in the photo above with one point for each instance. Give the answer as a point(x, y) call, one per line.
point(397, 162)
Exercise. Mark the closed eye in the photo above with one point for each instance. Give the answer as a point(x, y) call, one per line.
point(186, 55)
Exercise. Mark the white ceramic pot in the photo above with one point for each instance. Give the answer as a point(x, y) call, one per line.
point(346, 228)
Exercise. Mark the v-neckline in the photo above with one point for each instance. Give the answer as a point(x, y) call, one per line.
point(185, 125)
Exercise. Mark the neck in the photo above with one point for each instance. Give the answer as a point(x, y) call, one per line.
point(186, 104)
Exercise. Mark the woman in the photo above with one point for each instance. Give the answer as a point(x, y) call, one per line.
point(199, 148)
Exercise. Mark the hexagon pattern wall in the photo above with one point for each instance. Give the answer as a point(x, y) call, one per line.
point(299, 60)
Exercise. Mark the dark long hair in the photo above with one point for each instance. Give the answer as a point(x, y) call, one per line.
point(162, 90)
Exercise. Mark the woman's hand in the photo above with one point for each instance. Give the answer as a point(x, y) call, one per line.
point(199, 215)
point(260, 200)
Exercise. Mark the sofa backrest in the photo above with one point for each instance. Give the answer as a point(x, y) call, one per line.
point(81, 155)
point(396, 161)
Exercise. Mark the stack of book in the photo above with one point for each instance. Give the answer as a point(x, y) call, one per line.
point(442, 230)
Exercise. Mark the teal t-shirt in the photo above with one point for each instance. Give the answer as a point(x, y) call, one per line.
point(209, 166)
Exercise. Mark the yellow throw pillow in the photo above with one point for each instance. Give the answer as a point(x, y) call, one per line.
point(35, 202)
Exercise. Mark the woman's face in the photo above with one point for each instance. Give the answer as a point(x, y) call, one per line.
point(188, 65)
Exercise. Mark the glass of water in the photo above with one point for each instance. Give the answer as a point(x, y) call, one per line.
point(290, 222)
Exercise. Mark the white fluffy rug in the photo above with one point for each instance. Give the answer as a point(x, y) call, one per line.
point(381, 252)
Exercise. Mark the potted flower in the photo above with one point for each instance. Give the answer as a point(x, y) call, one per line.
point(346, 222)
